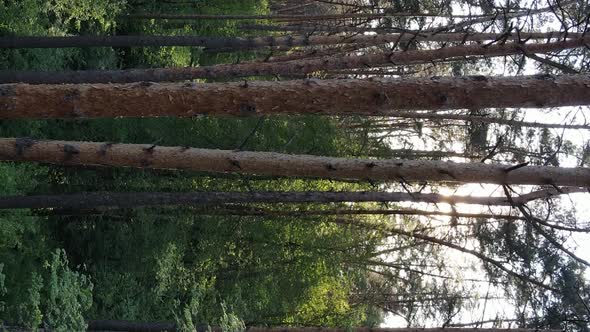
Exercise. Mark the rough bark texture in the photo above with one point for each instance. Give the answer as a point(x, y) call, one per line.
point(295, 67)
point(237, 43)
point(330, 97)
point(276, 164)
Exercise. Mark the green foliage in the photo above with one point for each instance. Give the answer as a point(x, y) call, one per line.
point(28, 312)
point(161, 264)
point(2, 288)
point(57, 18)
point(230, 322)
point(69, 295)
point(95, 15)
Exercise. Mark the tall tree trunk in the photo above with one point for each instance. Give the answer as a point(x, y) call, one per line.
point(367, 329)
point(295, 67)
point(291, 18)
point(330, 97)
point(236, 43)
point(239, 210)
point(276, 164)
point(118, 325)
point(318, 28)
point(89, 200)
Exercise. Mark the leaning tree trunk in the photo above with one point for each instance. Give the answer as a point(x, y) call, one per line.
point(295, 67)
point(330, 97)
point(89, 200)
point(276, 164)
point(237, 43)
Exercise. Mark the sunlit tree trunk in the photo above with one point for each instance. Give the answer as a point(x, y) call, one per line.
point(330, 97)
point(276, 164)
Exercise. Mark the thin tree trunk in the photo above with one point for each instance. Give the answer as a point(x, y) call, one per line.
point(130, 326)
point(385, 72)
point(295, 7)
point(295, 67)
point(205, 328)
point(475, 19)
point(480, 119)
point(447, 243)
point(290, 18)
point(141, 199)
point(92, 200)
point(320, 28)
point(367, 329)
point(237, 43)
point(499, 15)
point(314, 53)
point(276, 164)
point(411, 154)
point(329, 97)
point(233, 210)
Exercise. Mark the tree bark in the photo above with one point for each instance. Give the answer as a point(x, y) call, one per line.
point(237, 43)
point(276, 164)
point(88, 200)
point(92, 200)
point(295, 67)
point(238, 210)
point(291, 18)
point(329, 97)
point(147, 327)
